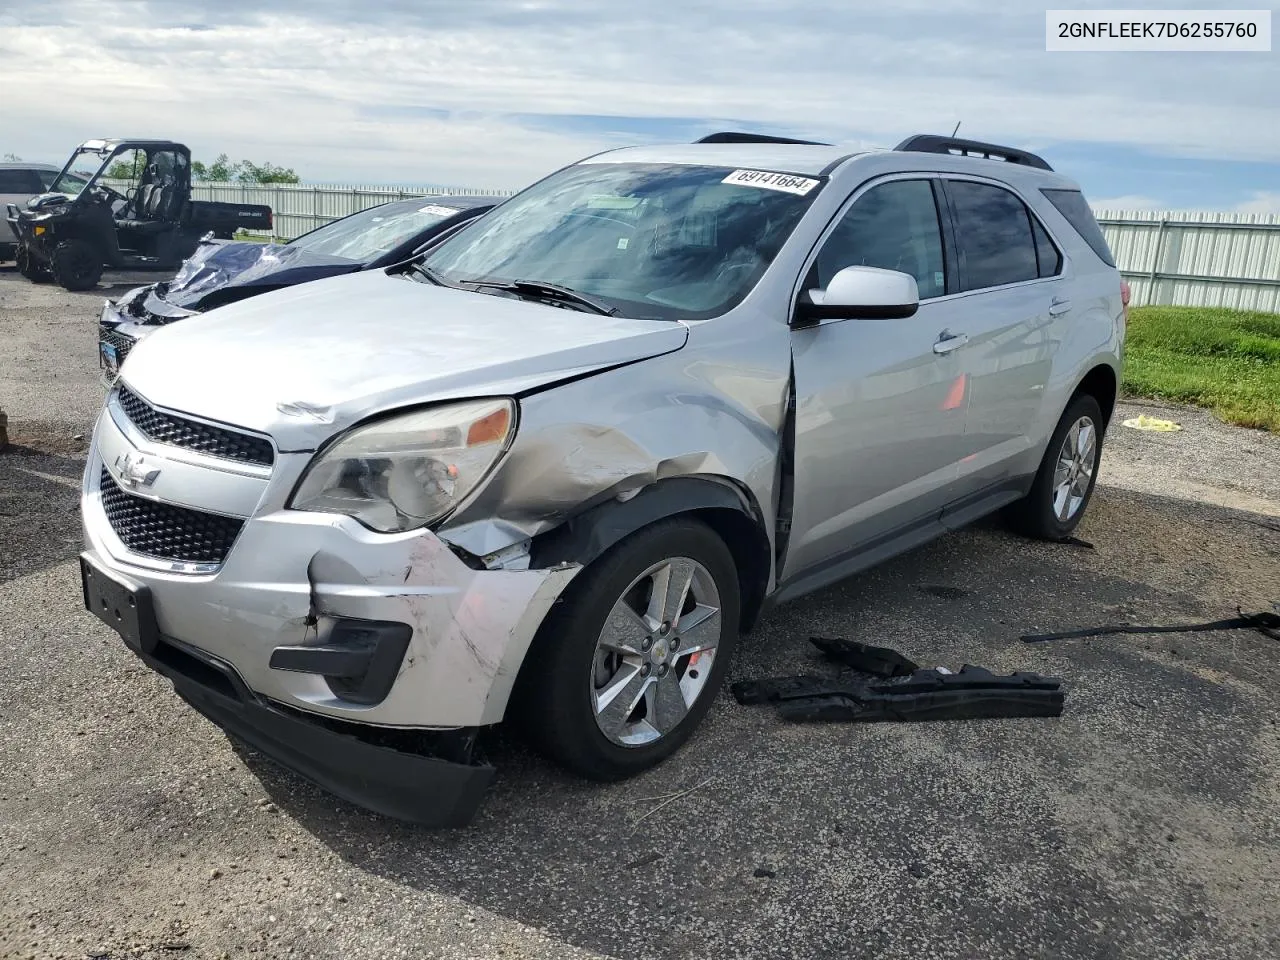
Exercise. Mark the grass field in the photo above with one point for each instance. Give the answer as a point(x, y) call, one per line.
point(1226, 360)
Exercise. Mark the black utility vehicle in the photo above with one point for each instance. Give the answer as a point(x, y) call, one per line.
point(83, 225)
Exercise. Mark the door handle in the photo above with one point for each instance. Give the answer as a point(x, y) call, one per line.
point(948, 341)
point(1058, 306)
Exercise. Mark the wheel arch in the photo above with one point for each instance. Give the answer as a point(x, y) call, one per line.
point(724, 505)
point(1103, 385)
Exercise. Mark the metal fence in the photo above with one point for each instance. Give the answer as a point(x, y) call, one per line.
point(1197, 258)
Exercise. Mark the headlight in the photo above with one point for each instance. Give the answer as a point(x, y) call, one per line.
point(406, 471)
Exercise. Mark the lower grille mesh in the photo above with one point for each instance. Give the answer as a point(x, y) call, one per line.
point(164, 531)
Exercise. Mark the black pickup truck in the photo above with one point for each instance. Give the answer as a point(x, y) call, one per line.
point(82, 225)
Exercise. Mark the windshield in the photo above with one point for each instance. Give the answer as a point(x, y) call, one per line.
point(367, 235)
point(84, 164)
point(653, 240)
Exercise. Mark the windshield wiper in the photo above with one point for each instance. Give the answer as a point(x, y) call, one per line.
point(538, 290)
point(428, 274)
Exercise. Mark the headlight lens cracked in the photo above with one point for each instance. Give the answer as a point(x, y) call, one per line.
point(407, 471)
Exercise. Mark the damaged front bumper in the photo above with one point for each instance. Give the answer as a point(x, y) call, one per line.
point(292, 618)
point(435, 784)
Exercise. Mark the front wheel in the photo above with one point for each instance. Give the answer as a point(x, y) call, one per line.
point(76, 265)
point(628, 663)
point(1064, 483)
point(30, 267)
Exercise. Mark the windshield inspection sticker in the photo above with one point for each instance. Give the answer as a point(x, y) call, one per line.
point(785, 182)
point(436, 210)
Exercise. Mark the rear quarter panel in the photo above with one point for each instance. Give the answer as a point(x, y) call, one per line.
point(1091, 334)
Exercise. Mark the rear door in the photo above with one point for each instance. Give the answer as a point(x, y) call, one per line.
point(879, 426)
point(1012, 290)
point(17, 186)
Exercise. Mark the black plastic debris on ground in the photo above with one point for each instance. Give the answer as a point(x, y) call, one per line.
point(972, 694)
point(863, 657)
point(1266, 623)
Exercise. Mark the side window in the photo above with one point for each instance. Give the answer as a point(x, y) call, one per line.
point(19, 181)
point(894, 226)
point(993, 231)
point(1072, 205)
point(1047, 255)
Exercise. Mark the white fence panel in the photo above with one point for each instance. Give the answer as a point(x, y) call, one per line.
point(1194, 258)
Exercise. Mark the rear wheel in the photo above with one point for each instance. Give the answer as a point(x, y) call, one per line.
point(31, 268)
point(76, 265)
point(1067, 474)
point(627, 665)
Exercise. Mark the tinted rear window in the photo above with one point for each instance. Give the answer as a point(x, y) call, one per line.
point(1072, 205)
point(994, 233)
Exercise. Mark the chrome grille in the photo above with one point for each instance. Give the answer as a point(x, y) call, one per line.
point(193, 435)
point(165, 531)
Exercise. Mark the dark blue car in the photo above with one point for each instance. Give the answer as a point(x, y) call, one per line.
point(223, 271)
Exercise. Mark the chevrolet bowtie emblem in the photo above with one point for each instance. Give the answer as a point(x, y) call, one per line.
point(135, 471)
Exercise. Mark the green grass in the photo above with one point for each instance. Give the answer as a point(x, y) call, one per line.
point(255, 238)
point(1226, 360)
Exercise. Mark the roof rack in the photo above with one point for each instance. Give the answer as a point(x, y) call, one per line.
point(928, 143)
point(731, 136)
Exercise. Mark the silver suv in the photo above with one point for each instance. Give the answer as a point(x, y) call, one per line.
point(554, 468)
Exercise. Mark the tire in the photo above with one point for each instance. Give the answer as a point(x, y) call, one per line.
point(1063, 486)
point(29, 267)
point(76, 265)
point(563, 697)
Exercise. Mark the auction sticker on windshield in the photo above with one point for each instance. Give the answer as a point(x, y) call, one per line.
point(786, 182)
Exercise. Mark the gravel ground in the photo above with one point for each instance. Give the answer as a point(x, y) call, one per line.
point(1143, 823)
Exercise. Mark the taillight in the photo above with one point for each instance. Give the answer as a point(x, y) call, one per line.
point(1124, 298)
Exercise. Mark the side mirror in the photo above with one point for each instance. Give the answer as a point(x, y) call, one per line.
point(862, 293)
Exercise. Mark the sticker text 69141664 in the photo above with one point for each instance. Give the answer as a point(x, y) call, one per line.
point(786, 182)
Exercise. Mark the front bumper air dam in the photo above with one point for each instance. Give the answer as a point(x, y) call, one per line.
point(425, 790)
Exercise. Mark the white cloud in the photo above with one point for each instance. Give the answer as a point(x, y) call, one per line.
point(1262, 201)
point(332, 88)
point(1129, 201)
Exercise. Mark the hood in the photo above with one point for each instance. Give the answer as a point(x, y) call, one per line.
point(47, 201)
point(221, 264)
point(304, 363)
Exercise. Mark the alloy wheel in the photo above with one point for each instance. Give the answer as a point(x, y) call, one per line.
point(1074, 471)
point(654, 653)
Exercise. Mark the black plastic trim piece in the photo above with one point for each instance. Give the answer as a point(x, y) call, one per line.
point(426, 790)
point(734, 136)
point(809, 312)
point(974, 693)
point(589, 534)
point(931, 143)
point(358, 658)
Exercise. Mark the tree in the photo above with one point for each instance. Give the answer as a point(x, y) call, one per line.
point(251, 172)
point(12, 158)
point(243, 171)
point(120, 170)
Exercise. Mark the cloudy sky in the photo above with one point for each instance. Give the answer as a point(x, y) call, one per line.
point(497, 92)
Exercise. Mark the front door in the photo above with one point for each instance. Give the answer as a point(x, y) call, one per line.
point(879, 419)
